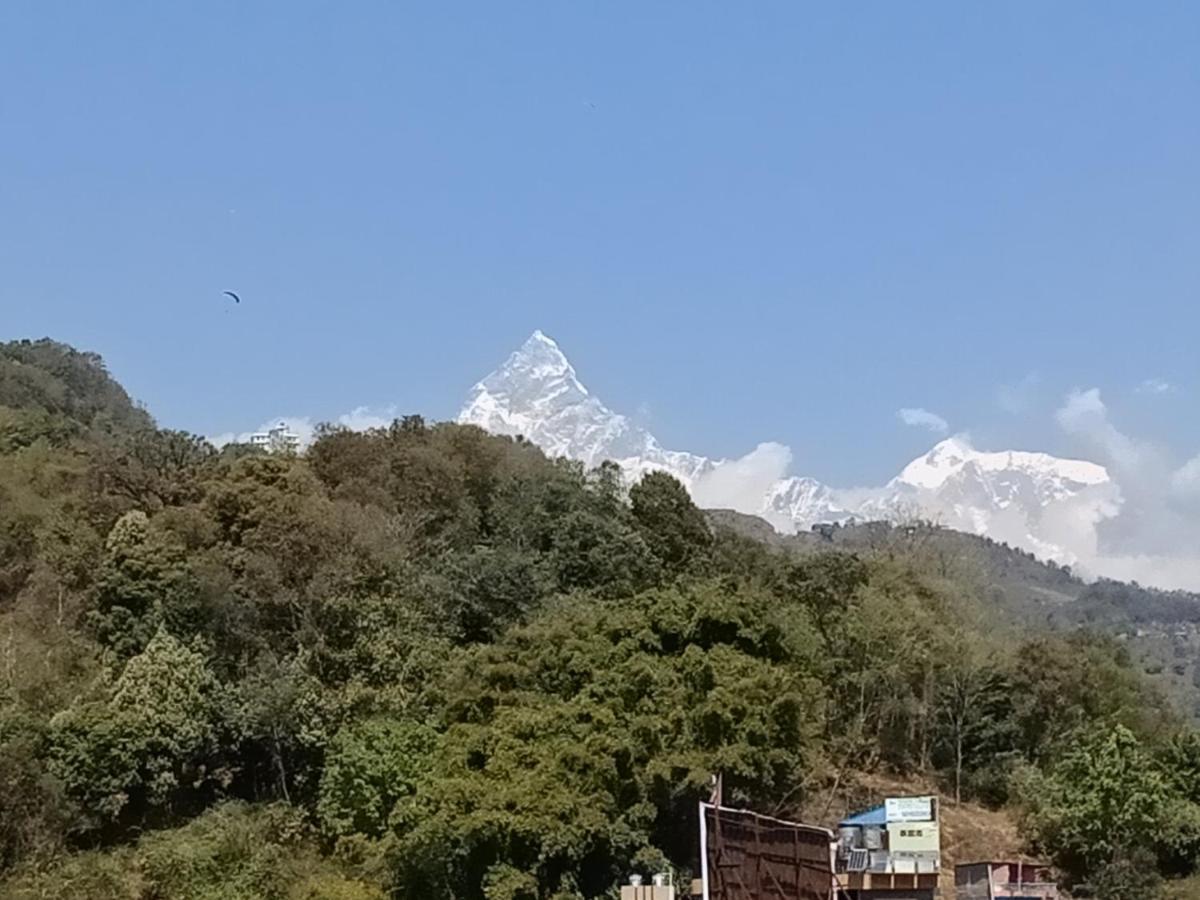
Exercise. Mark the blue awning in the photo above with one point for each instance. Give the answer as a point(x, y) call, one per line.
point(876, 816)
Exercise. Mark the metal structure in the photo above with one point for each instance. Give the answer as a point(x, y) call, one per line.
point(1004, 880)
point(901, 836)
point(892, 850)
point(748, 856)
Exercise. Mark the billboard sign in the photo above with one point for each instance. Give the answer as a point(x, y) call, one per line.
point(744, 854)
point(908, 809)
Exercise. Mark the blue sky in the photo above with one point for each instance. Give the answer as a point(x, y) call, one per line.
point(771, 221)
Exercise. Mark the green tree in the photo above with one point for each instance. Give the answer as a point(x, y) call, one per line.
point(54, 378)
point(152, 468)
point(1100, 809)
point(671, 525)
point(143, 583)
point(1061, 684)
point(975, 723)
point(151, 744)
point(370, 767)
point(36, 816)
point(283, 721)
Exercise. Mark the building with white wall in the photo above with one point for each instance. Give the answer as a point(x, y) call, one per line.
point(276, 440)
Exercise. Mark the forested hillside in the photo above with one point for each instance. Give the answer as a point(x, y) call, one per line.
point(426, 662)
point(1159, 629)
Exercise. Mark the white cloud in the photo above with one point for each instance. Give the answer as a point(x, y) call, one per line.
point(923, 418)
point(1084, 416)
point(1185, 481)
point(1151, 536)
point(1154, 386)
point(740, 484)
point(1142, 525)
point(362, 418)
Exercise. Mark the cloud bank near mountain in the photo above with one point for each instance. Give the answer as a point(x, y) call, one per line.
point(923, 418)
point(740, 484)
point(1155, 536)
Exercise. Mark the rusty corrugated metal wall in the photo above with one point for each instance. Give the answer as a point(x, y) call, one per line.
point(756, 857)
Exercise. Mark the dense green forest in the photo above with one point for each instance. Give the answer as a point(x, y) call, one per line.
point(426, 662)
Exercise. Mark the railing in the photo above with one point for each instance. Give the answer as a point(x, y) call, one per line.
point(1042, 890)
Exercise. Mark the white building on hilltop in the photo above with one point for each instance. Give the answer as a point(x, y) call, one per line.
point(276, 440)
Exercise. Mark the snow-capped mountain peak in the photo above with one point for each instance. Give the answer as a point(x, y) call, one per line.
point(945, 459)
point(537, 394)
point(539, 358)
point(950, 457)
point(1005, 494)
point(799, 502)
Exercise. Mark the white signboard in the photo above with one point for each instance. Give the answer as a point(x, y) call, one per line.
point(909, 809)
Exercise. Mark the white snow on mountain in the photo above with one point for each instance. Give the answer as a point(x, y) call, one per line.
point(1053, 476)
point(536, 394)
point(793, 503)
point(1029, 499)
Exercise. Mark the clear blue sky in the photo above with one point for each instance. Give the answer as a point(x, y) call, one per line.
point(754, 221)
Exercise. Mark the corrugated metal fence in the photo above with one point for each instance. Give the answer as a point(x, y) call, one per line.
point(748, 856)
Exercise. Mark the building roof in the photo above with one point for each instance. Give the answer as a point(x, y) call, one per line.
point(874, 816)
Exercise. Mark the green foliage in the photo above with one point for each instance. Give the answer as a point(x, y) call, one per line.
point(283, 723)
point(51, 378)
point(143, 584)
point(35, 812)
point(21, 429)
point(481, 673)
point(977, 731)
point(1113, 816)
point(1100, 810)
point(149, 742)
point(1124, 878)
point(493, 587)
point(1063, 684)
point(584, 740)
point(672, 526)
point(232, 852)
point(369, 768)
point(39, 487)
point(152, 468)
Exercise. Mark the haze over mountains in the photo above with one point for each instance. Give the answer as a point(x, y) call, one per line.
point(1056, 508)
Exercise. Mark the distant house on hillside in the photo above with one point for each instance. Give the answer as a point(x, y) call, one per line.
point(276, 440)
point(825, 529)
point(1004, 880)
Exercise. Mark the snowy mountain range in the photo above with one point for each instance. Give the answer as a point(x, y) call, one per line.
point(1029, 499)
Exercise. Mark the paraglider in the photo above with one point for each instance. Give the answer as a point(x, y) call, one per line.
point(236, 298)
